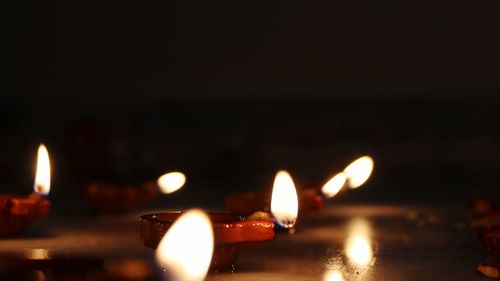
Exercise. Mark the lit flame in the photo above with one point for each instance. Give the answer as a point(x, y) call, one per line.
point(284, 201)
point(171, 182)
point(334, 275)
point(358, 246)
point(359, 171)
point(42, 178)
point(185, 252)
point(334, 185)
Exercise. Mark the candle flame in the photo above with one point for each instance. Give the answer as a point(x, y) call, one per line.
point(358, 246)
point(284, 201)
point(42, 178)
point(359, 171)
point(334, 185)
point(171, 182)
point(185, 252)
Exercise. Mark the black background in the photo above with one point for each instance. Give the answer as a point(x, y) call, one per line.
point(231, 91)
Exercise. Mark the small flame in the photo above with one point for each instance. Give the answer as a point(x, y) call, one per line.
point(334, 185)
point(284, 201)
point(171, 182)
point(42, 178)
point(359, 171)
point(358, 246)
point(185, 252)
point(334, 275)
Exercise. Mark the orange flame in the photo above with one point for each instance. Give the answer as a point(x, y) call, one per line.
point(185, 252)
point(284, 201)
point(359, 171)
point(171, 182)
point(42, 178)
point(334, 185)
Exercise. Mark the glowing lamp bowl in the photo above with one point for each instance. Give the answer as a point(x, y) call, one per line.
point(18, 212)
point(232, 234)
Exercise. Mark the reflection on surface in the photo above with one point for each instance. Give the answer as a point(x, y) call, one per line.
point(37, 254)
point(334, 275)
point(357, 259)
point(39, 275)
point(358, 246)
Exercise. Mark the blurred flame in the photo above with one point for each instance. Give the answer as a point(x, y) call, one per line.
point(171, 182)
point(359, 171)
point(334, 275)
point(185, 251)
point(284, 201)
point(42, 178)
point(334, 185)
point(358, 246)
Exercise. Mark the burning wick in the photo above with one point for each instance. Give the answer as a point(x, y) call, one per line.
point(42, 178)
point(186, 249)
point(284, 200)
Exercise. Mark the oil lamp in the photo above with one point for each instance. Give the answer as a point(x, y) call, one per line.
point(311, 199)
point(17, 212)
point(186, 249)
point(114, 198)
point(232, 233)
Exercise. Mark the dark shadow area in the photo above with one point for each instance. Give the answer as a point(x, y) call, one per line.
point(230, 92)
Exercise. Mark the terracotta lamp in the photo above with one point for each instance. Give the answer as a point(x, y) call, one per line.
point(233, 234)
point(353, 176)
point(17, 212)
point(113, 198)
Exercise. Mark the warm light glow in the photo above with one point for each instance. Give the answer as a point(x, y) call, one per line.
point(171, 182)
point(334, 275)
point(185, 252)
point(334, 185)
point(42, 179)
point(284, 201)
point(358, 246)
point(37, 254)
point(359, 171)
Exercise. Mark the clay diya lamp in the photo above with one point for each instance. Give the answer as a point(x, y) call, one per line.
point(106, 197)
point(232, 233)
point(18, 212)
point(312, 199)
point(185, 251)
point(114, 198)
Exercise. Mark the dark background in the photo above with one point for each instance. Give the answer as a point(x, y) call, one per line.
point(231, 91)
